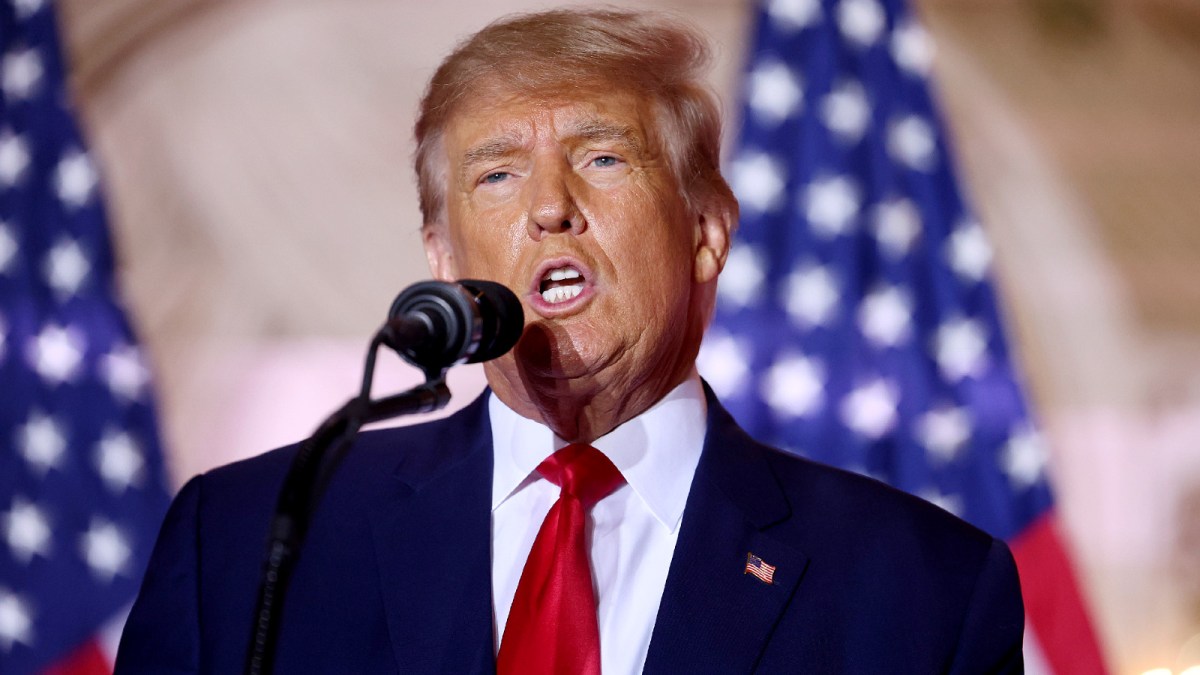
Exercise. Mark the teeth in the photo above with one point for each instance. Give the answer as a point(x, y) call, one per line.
point(564, 273)
point(561, 293)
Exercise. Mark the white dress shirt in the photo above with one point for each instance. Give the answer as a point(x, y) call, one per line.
point(632, 531)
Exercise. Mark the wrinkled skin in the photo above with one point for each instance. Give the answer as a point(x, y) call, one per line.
point(535, 183)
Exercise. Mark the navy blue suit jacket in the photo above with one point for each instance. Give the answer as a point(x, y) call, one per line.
point(395, 576)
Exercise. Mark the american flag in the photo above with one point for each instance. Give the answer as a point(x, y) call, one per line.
point(857, 323)
point(761, 570)
point(81, 473)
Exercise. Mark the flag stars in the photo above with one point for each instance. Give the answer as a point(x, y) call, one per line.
point(725, 362)
point(912, 48)
point(22, 72)
point(66, 267)
point(911, 141)
point(124, 371)
point(861, 21)
point(811, 295)
point(119, 461)
point(862, 469)
point(16, 624)
point(897, 225)
point(14, 158)
point(42, 442)
point(870, 410)
point(775, 92)
point(75, 178)
point(968, 252)
point(793, 15)
point(831, 205)
point(944, 431)
point(960, 347)
point(105, 550)
point(26, 531)
point(1024, 458)
point(27, 8)
point(846, 112)
point(885, 316)
point(794, 386)
point(742, 279)
point(56, 354)
point(947, 502)
point(856, 234)
point(758, 182)
point(8, 247)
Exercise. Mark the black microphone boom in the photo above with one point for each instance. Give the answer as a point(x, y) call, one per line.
point(433, 325)
point(436, 324)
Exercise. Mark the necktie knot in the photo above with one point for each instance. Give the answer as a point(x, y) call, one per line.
point(583, 472)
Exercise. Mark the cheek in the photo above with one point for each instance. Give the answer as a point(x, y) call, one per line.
point(643, 215)
point(486, 251)
point(653, 256)
point(661, 239)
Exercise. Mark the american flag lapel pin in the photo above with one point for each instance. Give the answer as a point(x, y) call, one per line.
point(760, 569)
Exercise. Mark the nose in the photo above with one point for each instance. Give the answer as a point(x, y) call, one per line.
point(552, 206)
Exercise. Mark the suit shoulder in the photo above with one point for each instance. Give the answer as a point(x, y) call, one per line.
point(846, 504)
point(374, 455)
point(887, 567)
point(832, 507)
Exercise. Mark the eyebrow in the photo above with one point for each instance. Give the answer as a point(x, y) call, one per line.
point(592, 130)
point(599, 130)
point(491, 149)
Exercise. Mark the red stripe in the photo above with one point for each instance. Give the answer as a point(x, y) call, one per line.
point(89, 659)
point(1053, 603)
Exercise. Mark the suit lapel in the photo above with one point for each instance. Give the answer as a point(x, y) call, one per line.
point(714, 617)
point(433, 548)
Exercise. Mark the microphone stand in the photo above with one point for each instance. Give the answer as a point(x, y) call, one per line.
point(306, 479)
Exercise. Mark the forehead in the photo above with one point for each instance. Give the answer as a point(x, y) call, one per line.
point(498, 119)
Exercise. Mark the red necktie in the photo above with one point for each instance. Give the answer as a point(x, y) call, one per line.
point(552, 624)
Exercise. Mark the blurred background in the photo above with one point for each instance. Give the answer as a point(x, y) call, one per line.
point(256, 164)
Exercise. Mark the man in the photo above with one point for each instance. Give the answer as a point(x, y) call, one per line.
point(598, 509)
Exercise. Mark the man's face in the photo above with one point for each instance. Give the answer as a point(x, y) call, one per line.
point(571, 204)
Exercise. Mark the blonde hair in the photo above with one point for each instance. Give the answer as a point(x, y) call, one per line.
point(555, 52)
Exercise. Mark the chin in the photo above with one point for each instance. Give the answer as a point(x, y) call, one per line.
point(553, 352)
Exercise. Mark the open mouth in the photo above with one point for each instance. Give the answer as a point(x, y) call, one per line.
point(561, 284)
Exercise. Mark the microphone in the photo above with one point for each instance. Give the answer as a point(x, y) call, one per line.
point(435, 324)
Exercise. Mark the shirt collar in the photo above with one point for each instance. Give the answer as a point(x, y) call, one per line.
point(657, 451)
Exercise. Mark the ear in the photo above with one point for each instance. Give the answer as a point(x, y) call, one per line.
point(714, 231)
point(439, 252)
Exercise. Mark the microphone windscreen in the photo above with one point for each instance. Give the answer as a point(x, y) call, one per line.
point(450, 317)
point(503, 318)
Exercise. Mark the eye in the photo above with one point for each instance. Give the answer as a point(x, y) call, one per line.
point(605, 161)
point(495, 177)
